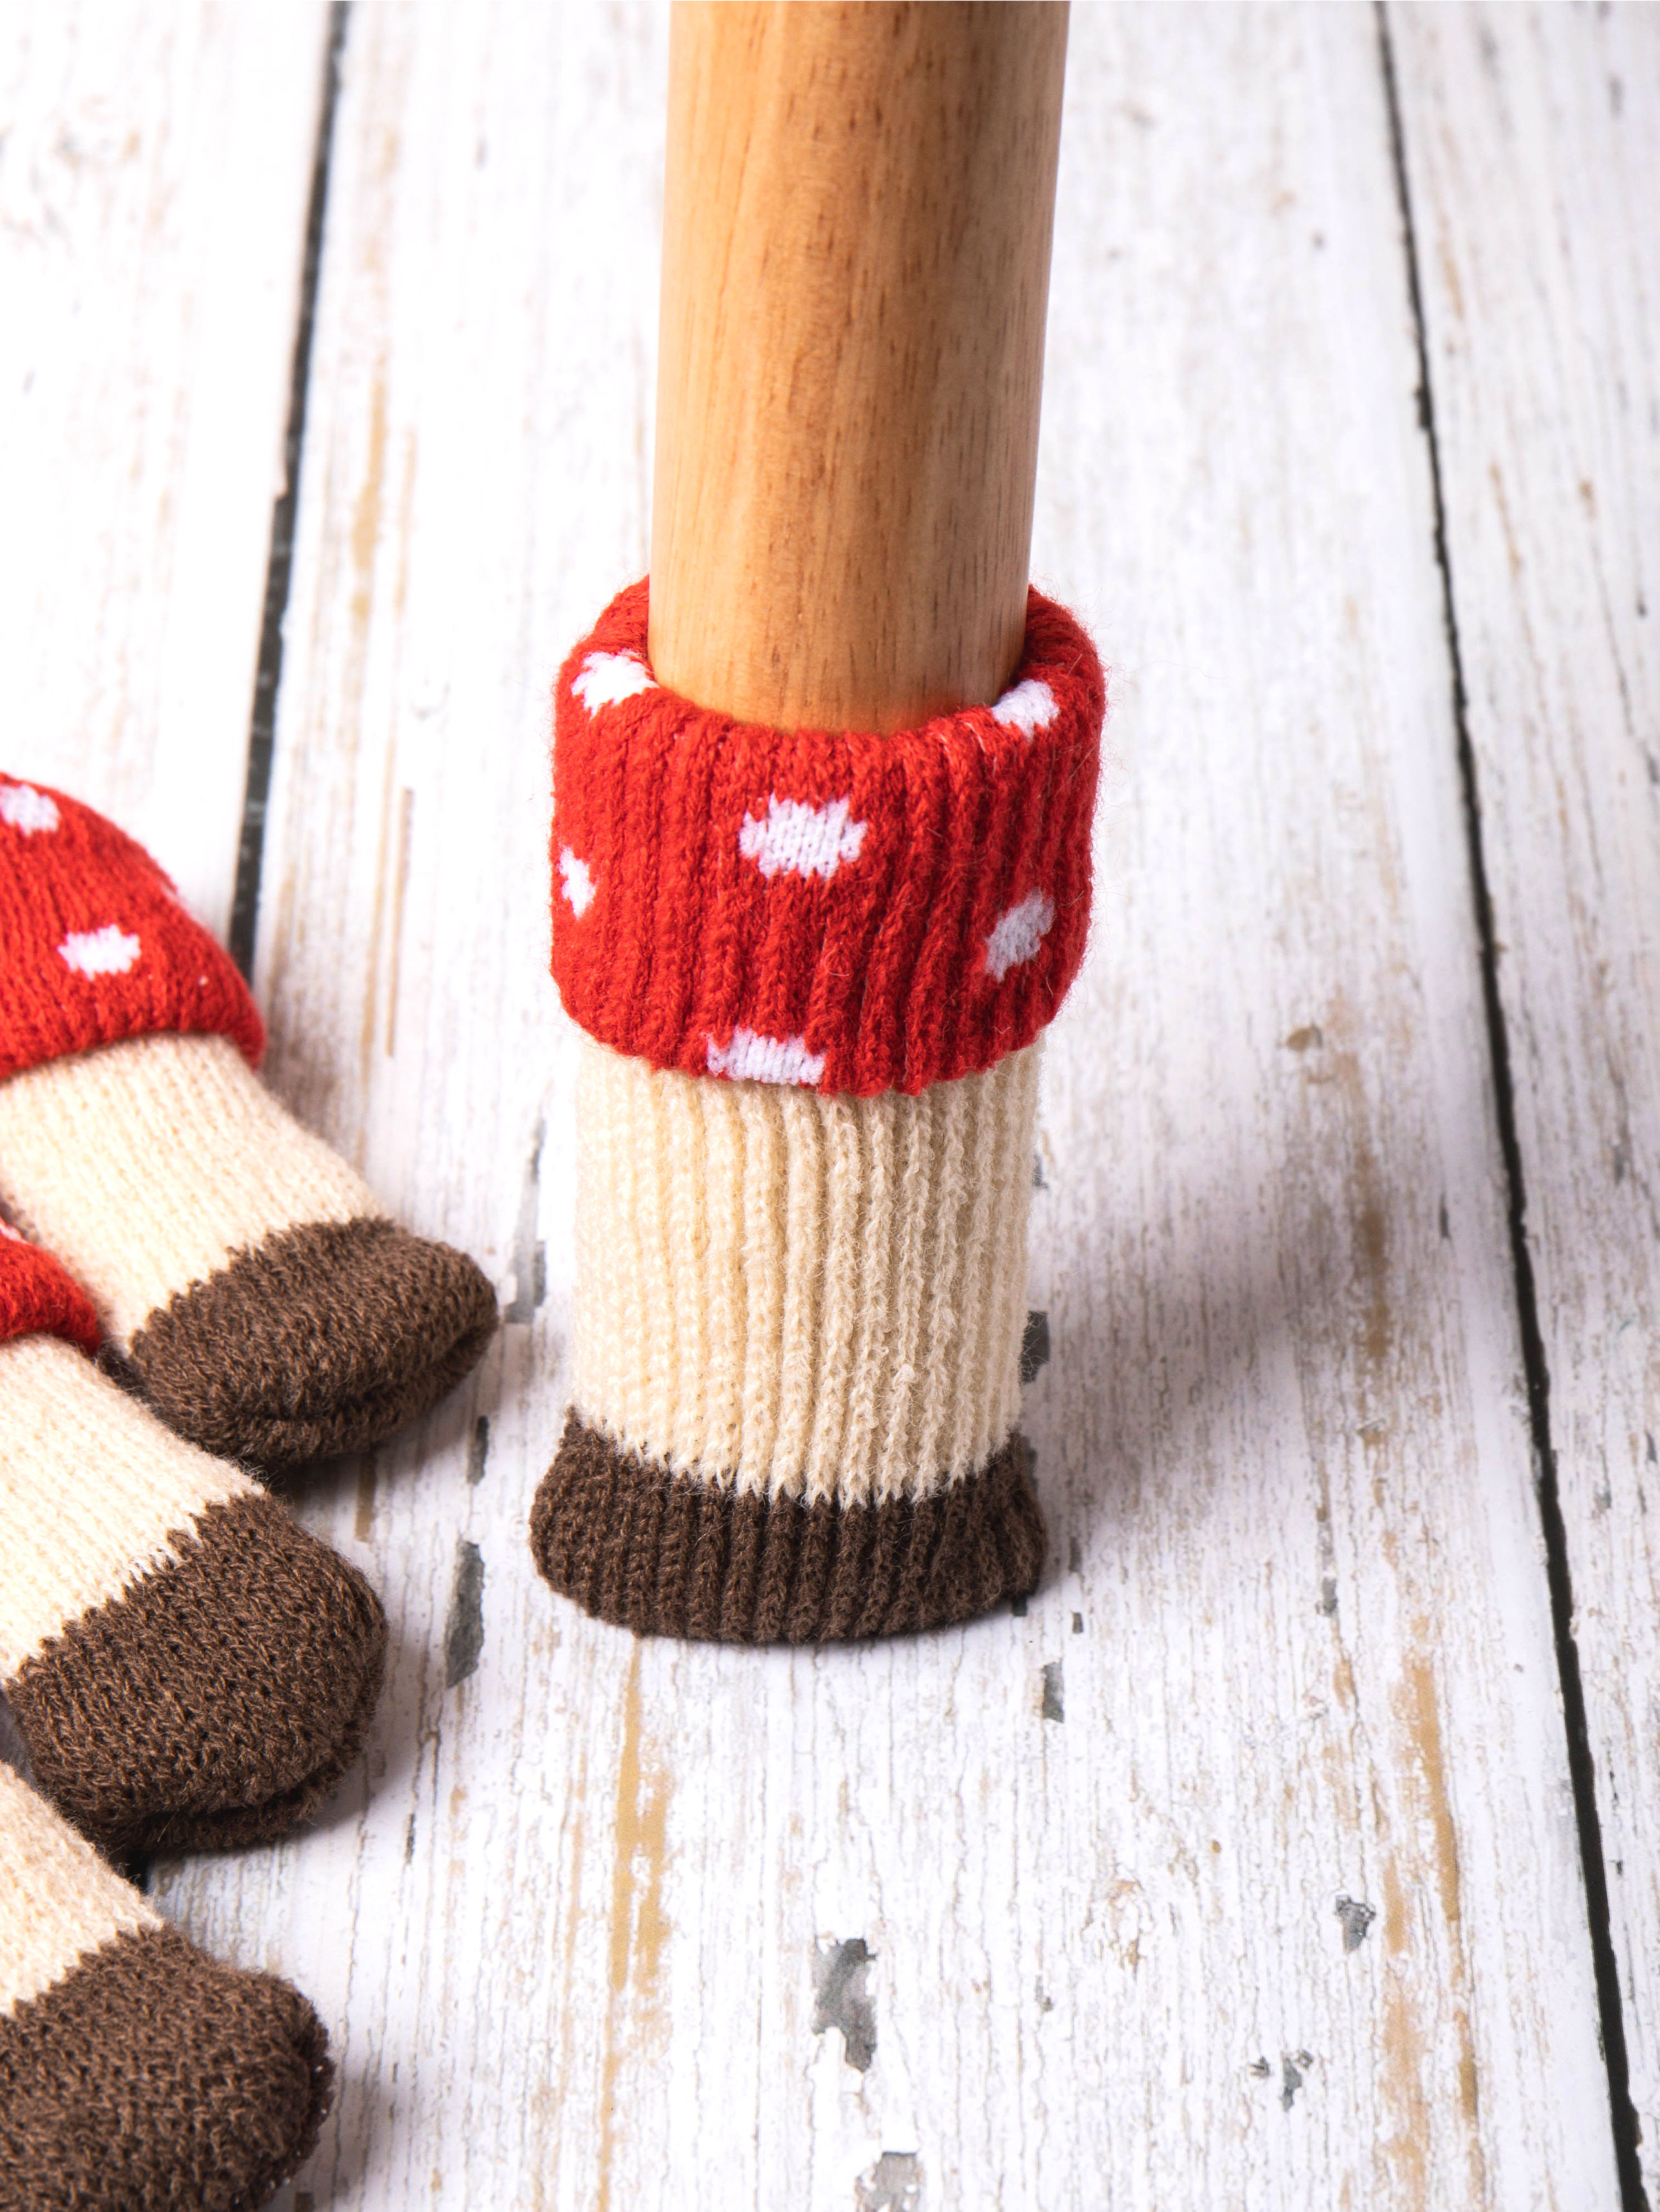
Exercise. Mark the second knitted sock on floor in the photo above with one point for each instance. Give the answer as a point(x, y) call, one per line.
point(135, 2071)
point(245, 1276)
point(188, 1665)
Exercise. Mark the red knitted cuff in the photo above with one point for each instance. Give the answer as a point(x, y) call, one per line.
point(98, 947)
point(38, 1295)
point(851, 912)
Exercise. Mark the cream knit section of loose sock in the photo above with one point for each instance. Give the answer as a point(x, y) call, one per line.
point(59, 1900)
point(92, 1490)
point(146, 1165)
point(817, 1296)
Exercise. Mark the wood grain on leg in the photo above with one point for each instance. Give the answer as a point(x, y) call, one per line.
point(857, 218)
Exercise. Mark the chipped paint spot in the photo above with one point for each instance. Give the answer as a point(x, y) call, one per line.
point(894, 2184)
point(1055, 1704)
point(1408, 2039)
point(1309, 1038)
point(530, 1257)
point(841, 1997)
point(1291, 2076)
point(400, 892)
point(1035, 1346)
point(640, 1930)
point(464, 1631)
point(1357, 1918)
point(362, 1519)
point(478, 1447)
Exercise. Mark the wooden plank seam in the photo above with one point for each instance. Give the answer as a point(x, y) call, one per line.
point(1626, 2128)
point(262, 728)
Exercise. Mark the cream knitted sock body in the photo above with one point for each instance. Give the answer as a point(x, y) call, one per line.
point(802, 1296)
point(786, 1300)
point(134, 2071)
point(187, 1666)
point(151, 1165)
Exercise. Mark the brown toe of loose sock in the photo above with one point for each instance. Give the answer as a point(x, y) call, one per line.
point(664, 1555)
point(217, 1701)
point(324, 1338)
point(151, 2076)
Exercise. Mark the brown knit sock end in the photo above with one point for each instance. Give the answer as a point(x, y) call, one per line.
point(666, 1555)
point(324, 1338)
point(150, 2077)
point(217, 1702)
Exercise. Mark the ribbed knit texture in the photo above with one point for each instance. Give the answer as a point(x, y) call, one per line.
point(812, 968)
point(847, 912)
point(93, 1492)
point(135, 2074)
point(325, 1338)
point(670, 1554)
point(147, 1166)
point(37, 1292)
point(186, 1664)
point(59, 1899)
point(807, 1297)
point(97, 945)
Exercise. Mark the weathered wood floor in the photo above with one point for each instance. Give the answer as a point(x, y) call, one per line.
point(1298, 1844)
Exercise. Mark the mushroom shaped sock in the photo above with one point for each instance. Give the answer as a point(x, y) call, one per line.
point(248, 1279)
point(812, 969)
point(135, 2072)
point(186, 1664)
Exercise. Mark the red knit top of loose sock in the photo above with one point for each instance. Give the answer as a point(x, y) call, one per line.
point(96, 946)
point(848, 911)
point(39, 1296)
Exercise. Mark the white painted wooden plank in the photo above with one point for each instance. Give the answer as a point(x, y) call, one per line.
point(565, 1929)
point(155, 168)
point(1533, 141)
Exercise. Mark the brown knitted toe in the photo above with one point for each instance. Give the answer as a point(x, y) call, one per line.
point(217, 1701)
point(150, 2077)
point(324, 1338)
point(664, 1554)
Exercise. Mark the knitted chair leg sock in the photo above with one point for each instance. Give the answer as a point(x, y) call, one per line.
point(188, 1666)
point(135, 2072)
point(812, 968)
point(798, 1355)
point(247, 1280)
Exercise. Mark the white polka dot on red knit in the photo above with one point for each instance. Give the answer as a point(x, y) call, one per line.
point(753, 1059)
point(106, 952)
point(1018, 934)
point(797, 839)
point(576, 881)
point(22, 807)
point(1029, 708)
point(606, 679)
